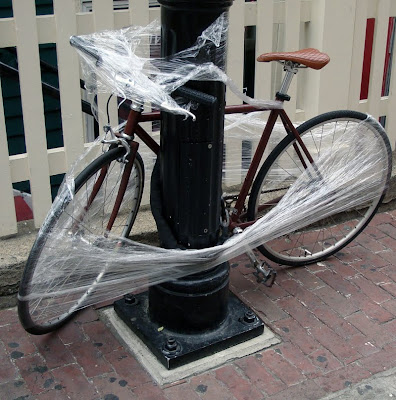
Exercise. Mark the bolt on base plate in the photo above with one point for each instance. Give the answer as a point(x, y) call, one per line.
point(174, 349)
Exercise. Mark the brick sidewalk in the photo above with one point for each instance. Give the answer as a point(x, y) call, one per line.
point(336, 320)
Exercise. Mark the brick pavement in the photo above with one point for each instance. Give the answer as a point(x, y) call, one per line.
point(336, 320)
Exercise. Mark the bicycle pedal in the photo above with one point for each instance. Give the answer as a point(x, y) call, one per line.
point(266, 276)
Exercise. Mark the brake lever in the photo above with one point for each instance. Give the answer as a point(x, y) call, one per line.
point(119, 141)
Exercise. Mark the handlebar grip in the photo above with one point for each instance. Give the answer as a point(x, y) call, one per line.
point(196, 95)
point(81, 44)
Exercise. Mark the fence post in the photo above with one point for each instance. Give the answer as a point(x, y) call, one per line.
point(330, 30)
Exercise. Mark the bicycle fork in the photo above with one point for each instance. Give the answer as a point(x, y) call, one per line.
point(123, 184)
point(128, 162)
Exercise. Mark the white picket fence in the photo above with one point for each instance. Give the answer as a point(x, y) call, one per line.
point(334, 26)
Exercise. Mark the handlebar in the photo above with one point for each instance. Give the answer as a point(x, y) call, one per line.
point(190, 94)
point(83, 45)
point(195, 95)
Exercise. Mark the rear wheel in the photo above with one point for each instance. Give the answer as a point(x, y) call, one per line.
point(328, 133)
point(83, 216)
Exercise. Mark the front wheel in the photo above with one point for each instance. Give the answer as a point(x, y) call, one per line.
point(46, 299)
point(339, 139)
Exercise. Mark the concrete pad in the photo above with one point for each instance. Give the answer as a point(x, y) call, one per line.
point(164, 376)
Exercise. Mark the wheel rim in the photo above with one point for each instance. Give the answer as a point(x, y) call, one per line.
point(77, 222)
point(316, 241)
point(96, 217)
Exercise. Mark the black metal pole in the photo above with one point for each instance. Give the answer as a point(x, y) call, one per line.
point(188, 318)
point(191, 172)
point(192, 152)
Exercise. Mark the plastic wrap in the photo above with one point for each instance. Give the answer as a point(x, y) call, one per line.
point(94, 267)
point(125, 62)
point(242, 133)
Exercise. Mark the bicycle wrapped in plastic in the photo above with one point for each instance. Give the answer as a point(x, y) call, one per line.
point(315, 191)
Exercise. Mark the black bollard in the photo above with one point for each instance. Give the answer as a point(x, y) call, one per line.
point(192, 152)
point(190, 174)
point(188, 318)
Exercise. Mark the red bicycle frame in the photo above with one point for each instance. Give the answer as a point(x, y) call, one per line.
point(236, 218)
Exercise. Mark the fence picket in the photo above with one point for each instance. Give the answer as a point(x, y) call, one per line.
point(7, 32)
point(68, 73)
point(391, 115)
point(338, 43)
point(8, 225)
point(235, 52)
point(139, 12)
point(264, 38)
point(377, 65)
point(32, 107)
point(359, 36)
point(103, 20)
point(292, 38)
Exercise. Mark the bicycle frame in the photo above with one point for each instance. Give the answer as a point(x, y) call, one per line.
point(238, 214)
point(135, 116)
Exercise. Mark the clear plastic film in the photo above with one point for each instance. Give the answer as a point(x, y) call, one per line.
point(126, 63)
point(80, 264)
point(242, 133)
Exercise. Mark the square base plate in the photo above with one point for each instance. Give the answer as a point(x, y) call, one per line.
point(188, 347)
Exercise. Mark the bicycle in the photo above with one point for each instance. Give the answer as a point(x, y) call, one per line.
point(113, 184)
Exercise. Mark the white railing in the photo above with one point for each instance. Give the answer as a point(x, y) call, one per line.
point(334, 26)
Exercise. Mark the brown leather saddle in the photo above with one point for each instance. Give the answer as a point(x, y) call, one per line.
point(311, 58)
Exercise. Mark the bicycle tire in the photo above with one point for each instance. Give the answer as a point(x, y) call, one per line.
point(64, 214)
point(281, 250)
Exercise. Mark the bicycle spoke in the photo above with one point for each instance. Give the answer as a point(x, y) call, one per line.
point(327, 137)
point(82, 220)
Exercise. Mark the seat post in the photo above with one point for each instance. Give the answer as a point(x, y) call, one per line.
point(290, 69)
